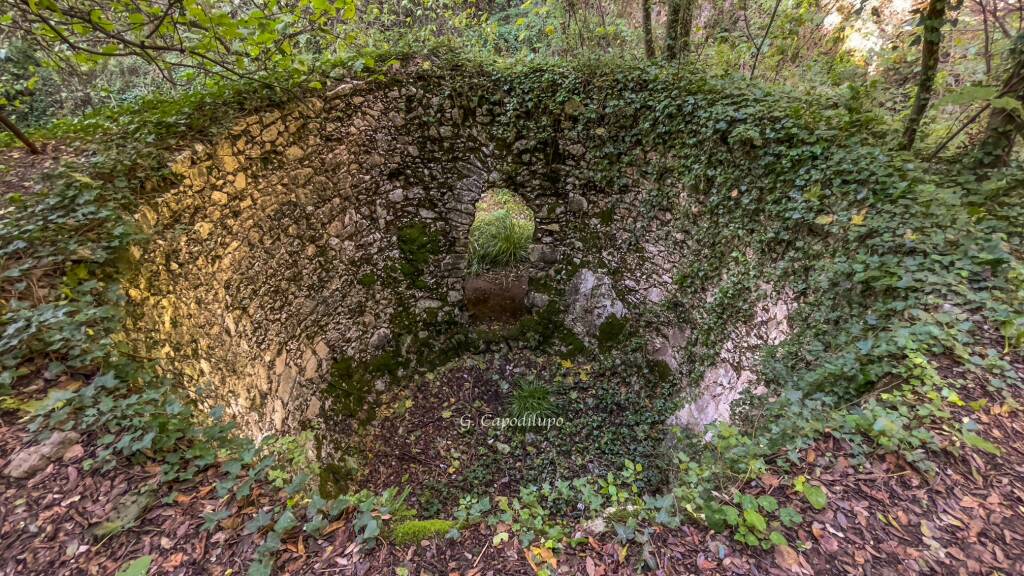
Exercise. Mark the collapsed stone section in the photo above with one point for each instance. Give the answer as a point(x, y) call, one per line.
point(337, 229)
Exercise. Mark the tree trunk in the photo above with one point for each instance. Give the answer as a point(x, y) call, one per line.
point(677, 28)
point(675, 9)
point(19, 134)
point(686, 26)
point(1004, 124)
point(931, 40)
point(987, 46)
point(645, 18)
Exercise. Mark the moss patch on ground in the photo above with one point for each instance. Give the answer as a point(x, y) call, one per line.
point(415, 531)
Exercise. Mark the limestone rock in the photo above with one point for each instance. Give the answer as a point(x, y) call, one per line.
point(544, 254)
point(735, 370)
point(663, 348)
point(204, 229)
point(380, 339)
point(590, 301)
point(29, 461)
point(537, 301)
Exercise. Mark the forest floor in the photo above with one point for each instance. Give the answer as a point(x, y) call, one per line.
point(882, 518)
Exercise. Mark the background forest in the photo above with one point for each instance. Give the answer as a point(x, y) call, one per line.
point(941, 68)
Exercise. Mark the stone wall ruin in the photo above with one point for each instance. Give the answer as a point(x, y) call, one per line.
point(336, 230)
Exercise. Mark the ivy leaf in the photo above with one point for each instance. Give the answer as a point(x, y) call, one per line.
point(790, 517)
point(975, 441)
point(816, 496)
point(210, 520)
point(137, 567)
point(768, 503)
point(372, 529)
point(286, 522)
point(258, 522)
point(316, 526)
point(755, 520)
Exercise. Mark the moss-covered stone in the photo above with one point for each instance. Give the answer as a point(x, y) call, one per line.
point(350, 386)
point(610, 331)
point(546, 329)
point(418, 244)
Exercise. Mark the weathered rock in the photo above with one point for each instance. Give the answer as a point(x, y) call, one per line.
point(590, 301)
point(544, 254)
point(537, 301)
point(496, 297)
point(29, 461)
point(735, 370)
point(380, 339)
point(663, 348)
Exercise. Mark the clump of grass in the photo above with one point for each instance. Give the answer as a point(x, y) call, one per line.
point(415, 531)
point(531, 398)
point(501, 232)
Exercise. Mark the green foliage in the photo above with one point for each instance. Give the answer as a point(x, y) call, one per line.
point(181, 38)
point(137, 567)
point(814, 493)
point(292, 456)
point(414, 531)
point(531, 399)
point(611, 331)
point(501, 232)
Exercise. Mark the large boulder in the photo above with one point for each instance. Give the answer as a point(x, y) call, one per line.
point(590, 302)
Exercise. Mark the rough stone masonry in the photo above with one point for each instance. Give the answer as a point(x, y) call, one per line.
point(338, 226)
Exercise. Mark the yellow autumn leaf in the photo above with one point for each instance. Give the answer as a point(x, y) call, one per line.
point(546, 555)
point(825, 219)
point(859, 218)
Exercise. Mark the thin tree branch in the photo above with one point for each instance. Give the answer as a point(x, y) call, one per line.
point(757, 54)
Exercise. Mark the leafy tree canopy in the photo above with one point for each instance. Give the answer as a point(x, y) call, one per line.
point(181, 38)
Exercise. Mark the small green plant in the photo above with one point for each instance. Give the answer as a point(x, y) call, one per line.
point(292, 457)
point(501, 232)
point(531, 399)
point(415, 531)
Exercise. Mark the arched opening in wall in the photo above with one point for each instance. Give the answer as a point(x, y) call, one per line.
point(499, 243)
